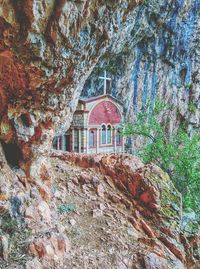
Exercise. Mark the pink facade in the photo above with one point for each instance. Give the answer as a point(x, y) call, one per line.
point(105, 112)
point(95, 127)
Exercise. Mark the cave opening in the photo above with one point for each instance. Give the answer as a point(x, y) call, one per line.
point(12, 154)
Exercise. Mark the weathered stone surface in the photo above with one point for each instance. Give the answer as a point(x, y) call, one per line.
point(150, 193)
point(4, 245)
point(34, 263)
point(105, 215)
point(190, 223)
point(147, 184)
point(43, 52)
point(153, 261)
point(84, 178)
point(50, 250)
point(159, 61)
point(38, 215)
point(48, 50)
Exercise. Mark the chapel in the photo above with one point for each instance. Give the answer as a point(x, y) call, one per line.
point(95, 127)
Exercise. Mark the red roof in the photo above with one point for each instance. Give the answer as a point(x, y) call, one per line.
point(92, 99)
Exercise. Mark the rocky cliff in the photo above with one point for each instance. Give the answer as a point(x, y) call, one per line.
point(50, 52)
point(106, 211)
point(47, 51)
point(159, 60)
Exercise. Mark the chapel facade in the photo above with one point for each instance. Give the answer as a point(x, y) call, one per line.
point(95, 127)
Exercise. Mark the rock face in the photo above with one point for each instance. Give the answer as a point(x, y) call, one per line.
point(147, 184)
point(105, 210)
point(48, 50)
point(152, 207)
point(159, 61)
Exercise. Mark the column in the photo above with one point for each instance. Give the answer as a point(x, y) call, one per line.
point(98, 140)
point(63, 143)
point(79, 140)
point(58, 140)
point(115, 141)
point(87, 140)
point(72, 139)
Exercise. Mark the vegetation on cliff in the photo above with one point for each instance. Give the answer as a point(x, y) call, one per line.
point(116, 211)
point(178, 154)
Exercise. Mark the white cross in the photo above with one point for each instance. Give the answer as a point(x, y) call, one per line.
point(105, 81)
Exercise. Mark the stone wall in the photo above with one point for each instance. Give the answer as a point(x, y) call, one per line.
point(47, 51)
point(159, 61)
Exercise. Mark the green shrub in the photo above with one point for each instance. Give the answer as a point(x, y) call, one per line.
point(18, 240)
point(192, 107)
point(66, 208)
point(178, 155)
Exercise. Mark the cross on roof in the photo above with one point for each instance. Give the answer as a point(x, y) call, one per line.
point(105, 81)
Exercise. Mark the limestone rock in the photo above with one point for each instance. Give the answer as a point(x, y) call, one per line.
point(38, 215)
point(153, 261)
point(144, 183)
point(4, 245)
point(85, 178)
point(50, 250)
point(32, 264)
point(146, 192)
point(44, 63)
point(48, 51)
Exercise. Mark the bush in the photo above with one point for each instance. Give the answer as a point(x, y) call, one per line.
point(66, 208)
point(177, 155)
point(18, 239)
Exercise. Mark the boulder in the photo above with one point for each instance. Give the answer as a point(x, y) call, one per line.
point(50, 250)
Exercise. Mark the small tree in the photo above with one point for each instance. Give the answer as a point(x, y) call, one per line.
point(178, 155)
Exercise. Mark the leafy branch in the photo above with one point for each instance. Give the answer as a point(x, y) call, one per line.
point(178, 155)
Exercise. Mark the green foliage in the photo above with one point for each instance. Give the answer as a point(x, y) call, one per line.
point(66, 208)
point(178, 155)
point(145, 2)
point(188, 86)
point(18, 240)
point(192, 107)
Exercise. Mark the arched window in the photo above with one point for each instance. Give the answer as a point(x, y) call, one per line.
point(92, 139)
point(118, 138)
point(103, 134)
point(109, 134)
